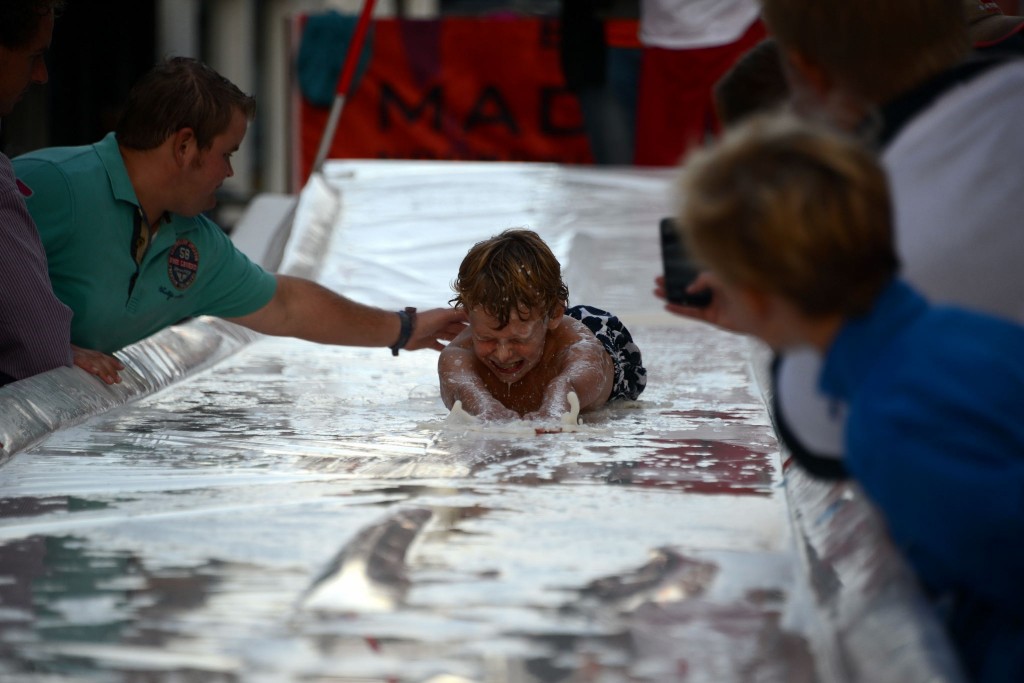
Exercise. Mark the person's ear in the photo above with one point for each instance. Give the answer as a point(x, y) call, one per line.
point(807, 73)
point(185, 147)
point(555, 319)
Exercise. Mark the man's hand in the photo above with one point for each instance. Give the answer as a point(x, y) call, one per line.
point(436, 325)
point(100, 364)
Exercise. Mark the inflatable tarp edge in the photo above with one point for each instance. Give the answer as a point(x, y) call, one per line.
point(32, 408)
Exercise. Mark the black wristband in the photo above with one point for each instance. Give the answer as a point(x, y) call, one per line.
point(408, 318)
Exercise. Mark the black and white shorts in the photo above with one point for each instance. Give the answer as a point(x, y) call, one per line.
point(630, 374)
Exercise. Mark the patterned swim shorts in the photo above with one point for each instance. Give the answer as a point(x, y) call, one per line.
point(630, 374)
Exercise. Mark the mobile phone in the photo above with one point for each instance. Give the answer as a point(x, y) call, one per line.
point(680, 268)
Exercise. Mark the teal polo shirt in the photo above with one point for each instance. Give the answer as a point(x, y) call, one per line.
point(86, 210)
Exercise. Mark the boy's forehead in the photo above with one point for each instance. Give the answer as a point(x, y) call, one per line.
point(479, 317)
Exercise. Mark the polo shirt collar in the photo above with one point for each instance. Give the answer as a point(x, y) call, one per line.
point(862, 340)
point(110, 156)
point(121, 185)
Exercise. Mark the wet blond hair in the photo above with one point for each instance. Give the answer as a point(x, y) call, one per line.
point(514, 270)
point(799, 210)
point(875, 49)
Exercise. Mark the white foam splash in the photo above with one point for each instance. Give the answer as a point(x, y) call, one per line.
point(459, 419)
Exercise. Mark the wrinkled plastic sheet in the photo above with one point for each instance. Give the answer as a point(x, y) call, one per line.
point(250, 508)
point(879, 625)
point(31, 409)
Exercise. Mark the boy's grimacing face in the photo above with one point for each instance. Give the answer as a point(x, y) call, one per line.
point(514, 350)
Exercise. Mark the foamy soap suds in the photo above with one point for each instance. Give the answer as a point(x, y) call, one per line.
point(572, 418)
point(461, 420)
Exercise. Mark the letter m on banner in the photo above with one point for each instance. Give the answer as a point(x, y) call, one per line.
point(456, 88)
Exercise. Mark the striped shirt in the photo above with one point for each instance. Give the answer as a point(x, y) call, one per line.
point(34, 325)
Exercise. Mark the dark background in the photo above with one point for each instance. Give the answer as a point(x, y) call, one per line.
point(99, 49)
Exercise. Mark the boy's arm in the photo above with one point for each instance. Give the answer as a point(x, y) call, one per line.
point(456, 371)
point(586, 370)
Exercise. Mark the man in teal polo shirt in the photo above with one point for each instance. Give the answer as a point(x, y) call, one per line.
point(130, 252)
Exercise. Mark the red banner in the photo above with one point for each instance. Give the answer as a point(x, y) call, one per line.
point(458, 88)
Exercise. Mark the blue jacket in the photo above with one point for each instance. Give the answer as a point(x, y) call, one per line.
point(935, 436)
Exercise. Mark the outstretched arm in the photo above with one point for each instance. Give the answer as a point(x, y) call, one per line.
point(460, 381)
point(302, 308)
point(587, 370)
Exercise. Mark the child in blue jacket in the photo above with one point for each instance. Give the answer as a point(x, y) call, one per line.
point(794, 224)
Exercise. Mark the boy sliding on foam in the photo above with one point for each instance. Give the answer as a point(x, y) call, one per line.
point(795, 225)
point(524, 350)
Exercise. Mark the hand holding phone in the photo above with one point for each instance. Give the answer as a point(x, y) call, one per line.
point(680, 269)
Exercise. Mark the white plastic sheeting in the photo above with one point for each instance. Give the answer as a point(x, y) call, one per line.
point(32, 408)
point(300, 512)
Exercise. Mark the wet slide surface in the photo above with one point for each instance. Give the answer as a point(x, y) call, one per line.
point(304, 513)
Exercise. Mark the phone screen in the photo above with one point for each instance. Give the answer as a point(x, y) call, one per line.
point(680, 269)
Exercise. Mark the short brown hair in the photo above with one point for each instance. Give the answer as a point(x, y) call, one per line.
point(178, 93)
point(792, 208)
point(513, 270)
point(876, 49)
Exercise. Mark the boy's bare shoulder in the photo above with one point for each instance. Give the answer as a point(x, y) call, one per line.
point(579, 337)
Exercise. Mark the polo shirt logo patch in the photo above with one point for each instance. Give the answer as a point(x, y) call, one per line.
point(24, 189)
point(183, 264)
